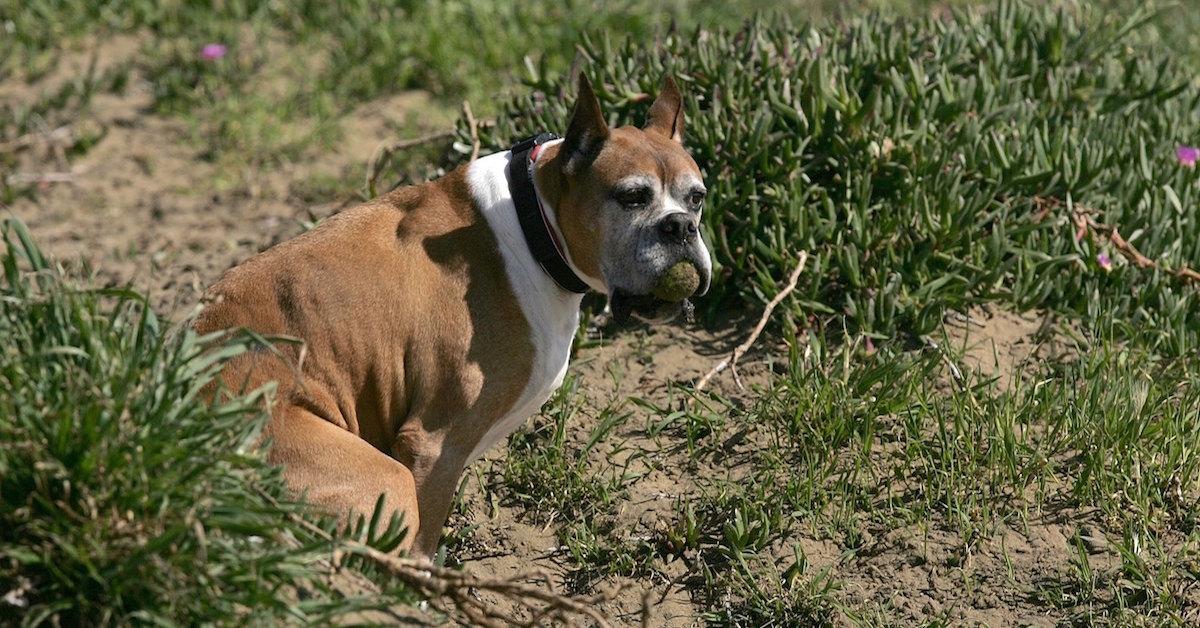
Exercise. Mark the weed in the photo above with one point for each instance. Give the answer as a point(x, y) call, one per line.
point(914, 161)
point(124, 495)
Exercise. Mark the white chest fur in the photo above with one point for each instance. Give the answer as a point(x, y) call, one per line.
point(552, 313)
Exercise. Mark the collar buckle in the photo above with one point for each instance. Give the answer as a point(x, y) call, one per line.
point(530, 142)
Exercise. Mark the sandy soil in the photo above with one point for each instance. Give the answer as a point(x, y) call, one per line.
point(911, 574)
point(144, 206)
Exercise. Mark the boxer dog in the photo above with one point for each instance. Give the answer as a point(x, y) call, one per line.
point(437, 318)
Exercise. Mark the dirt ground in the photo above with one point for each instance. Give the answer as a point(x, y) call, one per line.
point(912, 575)
point(144, 206)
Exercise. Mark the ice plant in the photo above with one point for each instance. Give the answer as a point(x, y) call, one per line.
point(1104, 261)
point(212, 52)
point(1187, 155)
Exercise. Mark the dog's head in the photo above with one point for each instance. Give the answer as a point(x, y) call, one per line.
point(628, 201)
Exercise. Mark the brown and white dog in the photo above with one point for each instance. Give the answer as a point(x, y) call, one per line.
point(429, 329)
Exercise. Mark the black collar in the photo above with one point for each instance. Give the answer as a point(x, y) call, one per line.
point(538, 234)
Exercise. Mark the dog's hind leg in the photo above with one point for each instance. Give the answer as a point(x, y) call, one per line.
point(339, 471)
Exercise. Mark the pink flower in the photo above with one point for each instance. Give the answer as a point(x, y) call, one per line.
point(1187, 155)
point(1104, 261)
point(212, 52)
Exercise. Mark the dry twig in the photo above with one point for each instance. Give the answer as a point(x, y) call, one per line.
point(474, 127)
point(741, 349)
point(61, 136)
point(384, 153)
point(459, 587)
point(1086, 225)
point(21, 178)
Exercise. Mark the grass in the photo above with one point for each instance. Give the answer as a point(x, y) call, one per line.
point(930, 165)
point(848, 452)
point(927, 167)
point(544, 459)
point(293, 71)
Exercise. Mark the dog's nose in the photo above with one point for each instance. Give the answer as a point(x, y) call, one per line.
point(677, 228)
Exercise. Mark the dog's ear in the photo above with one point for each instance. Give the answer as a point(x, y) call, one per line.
point(666, 114)
point(587, 132)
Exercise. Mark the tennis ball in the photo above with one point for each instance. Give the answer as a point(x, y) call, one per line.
point(678, 283)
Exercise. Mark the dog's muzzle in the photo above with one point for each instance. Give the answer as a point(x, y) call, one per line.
point(626, 304)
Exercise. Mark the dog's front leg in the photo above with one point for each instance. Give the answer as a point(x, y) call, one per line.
point(436, 467)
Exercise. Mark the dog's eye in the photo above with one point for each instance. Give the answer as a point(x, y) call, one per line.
point(696, 198)
point(634, 198)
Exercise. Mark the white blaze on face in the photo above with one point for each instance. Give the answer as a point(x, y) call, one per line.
point(683, 187)
point(635, 254)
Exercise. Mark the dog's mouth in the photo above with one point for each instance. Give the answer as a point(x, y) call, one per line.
point(645, 307)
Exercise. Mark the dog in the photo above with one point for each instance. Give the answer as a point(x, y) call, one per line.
point(437, 318)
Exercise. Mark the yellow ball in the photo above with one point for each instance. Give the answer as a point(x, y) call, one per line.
point(678, 283)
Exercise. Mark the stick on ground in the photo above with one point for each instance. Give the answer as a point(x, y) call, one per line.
point(383, 155)
point(741, 349)
point(460, 588)
point(474, 127)
point(1087, 226)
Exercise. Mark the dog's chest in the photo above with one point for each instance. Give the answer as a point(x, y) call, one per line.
point(551, 313)
point(553, 335)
